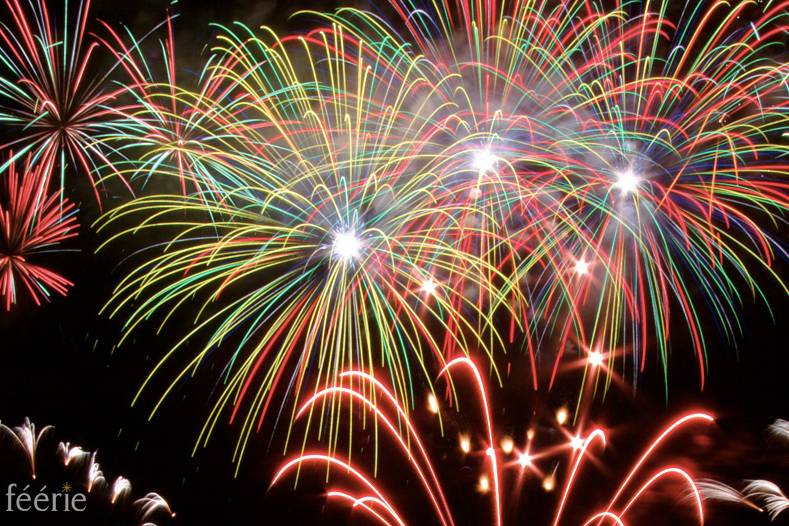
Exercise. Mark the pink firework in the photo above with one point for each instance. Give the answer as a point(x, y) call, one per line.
point(33, 222)
point(557, 462)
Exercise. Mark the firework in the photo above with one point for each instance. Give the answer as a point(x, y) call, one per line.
point(382, 206)
point(25, 437)
point(629, 163)
point(779, 431)
point(314, 249)
point(33, 222)
point(120, 489)
point(769, 494)
point(718, 491)
point(47, 94)
point(95, 475)
point(765, 492)
point(152, 504)
point(170, 131)
point(679, 158)
point(70, 453)
point(373, 500)
point(79, 467)
point(507, 74)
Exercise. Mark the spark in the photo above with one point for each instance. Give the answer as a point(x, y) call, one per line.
point(346, 245)
point(507, 445)
point(627, 181)
point(549, 483)
point(595, 359)
point(429, 287)
point(562, 415)
point(484, 161)
point(484, 484)
point(524, 460)
point(582, 267)
point(465, 443)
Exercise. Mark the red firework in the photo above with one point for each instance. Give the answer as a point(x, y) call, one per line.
point(33, 222)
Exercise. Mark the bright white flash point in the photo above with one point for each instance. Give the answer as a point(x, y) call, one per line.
point(576, 442)
point(346, 245)
point(524, 459)
point(429, 287)
point(484, 161)
point(627, 181)
point(465, 444)
point(582, 267)
point(432, 404)
point(595, 358)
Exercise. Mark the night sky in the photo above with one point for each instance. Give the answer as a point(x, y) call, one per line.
point(59, 368)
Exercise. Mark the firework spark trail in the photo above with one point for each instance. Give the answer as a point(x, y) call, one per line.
point(33, 222)
point(25, 437)
point(387, 513)
point(773, 498)
point(553, 177)
point(640, 176)
point(779, 431)
point(152, 504)
point(171, 131)
point(319, 203)
point(47, 92)
point(714, 490)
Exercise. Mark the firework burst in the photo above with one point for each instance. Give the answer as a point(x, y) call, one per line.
point(33, 222)
point(47, 93)
point(628, 162)
point(318, 207)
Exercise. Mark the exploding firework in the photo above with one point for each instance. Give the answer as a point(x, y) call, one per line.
point(378, 205)
point(33, 223)
point(762, 495)
point(370, 498)
point(27, 439)
point(314, 249)
point(170, 132)
point(47, 93)
point(632, 172)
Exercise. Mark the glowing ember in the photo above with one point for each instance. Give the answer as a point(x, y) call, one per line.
point(507, 445)
point(432, 404)
point(562, 415)
point(465, 443)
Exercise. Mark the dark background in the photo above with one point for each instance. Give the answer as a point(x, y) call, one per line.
point(58, 367)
